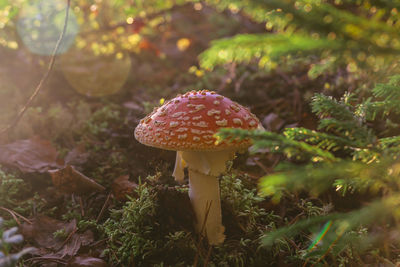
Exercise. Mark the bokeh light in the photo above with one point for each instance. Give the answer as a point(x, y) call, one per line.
point(95, 75)
point(40, 24)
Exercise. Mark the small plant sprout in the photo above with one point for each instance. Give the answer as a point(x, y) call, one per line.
point(187, 124)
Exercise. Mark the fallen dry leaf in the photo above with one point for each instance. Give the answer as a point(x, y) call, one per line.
point(122, 187)
point(77, 156)
point(69, 180)
point(85, 261)
point(41, 233)
point(30, 155)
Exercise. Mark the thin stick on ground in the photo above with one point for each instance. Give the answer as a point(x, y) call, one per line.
point(15, 215)
point(45, 77)
point(207, 257)
point(81, 206)
point(196, 258)
point(103, 208)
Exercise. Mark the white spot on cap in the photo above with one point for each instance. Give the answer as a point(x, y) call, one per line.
point(216, 102)
point(182, 129)
point(247, 117)
point(173, 124)
point(237, 121)
point(222, 123)
point(202, 124)
point(196, 118)
point(178, 114)
point(235, 107)
point(227, 112)
point(213, 112)
point(182, 136)
point(252, 123)
point(196, 107)
point(196, 131)
point(196, 138)
point(158, 123)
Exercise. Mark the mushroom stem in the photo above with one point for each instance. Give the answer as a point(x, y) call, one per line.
point(204, 169)
point(205, 198)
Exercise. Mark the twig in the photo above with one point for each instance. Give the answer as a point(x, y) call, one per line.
point(44, 78)
point(262, 166)
point(207, 257)
point(239, 82)
point(69, 238)
point(103, 208)
point(52, 259)
point(203, 226)
point(81, 205)
point(15, 215)
point(196, 258)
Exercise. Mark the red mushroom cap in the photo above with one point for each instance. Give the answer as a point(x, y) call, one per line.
point(188, 123)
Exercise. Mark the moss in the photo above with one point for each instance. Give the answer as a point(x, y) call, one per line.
point(151, 230)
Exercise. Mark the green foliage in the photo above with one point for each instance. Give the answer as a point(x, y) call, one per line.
point(268, 48)
point(337, 232)
point(130, 230)
point(96, 133)
point(345, 154)
point(148, 7)
point(388, 99)
point(243, 202)
point(356, 33)
point(16, 194)
point(101, 120)
point(11, 189)
point(136, 235)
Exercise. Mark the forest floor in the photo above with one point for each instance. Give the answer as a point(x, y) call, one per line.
point(84, 192)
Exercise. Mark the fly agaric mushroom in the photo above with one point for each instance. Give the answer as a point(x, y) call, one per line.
point(187, 124)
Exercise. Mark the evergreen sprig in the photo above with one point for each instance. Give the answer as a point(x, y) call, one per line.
point(336, 231)
point(344, 154)
point(358, 32)
point(267, 48)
